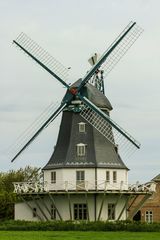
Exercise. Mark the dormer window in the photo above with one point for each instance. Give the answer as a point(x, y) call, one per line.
point(81, 149)
point(82, 127)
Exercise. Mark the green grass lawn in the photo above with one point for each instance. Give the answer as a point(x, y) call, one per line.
point(48, 235)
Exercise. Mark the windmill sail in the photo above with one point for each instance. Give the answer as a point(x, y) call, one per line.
point(108, 128)
point(35, 129)
point(121, 48)
point(120, 45)
point(42, 57)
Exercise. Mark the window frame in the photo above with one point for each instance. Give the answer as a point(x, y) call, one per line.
point(53, 176)
point(80, 175)
point(81, 149)
point(82, 127)
point(80, 211)
point(107, 176)
point(111, 211)
point(149, 216)
point(53, 212)
point(114, 176)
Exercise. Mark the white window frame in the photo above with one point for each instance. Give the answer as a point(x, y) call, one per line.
point(80, 180)
point(107, 176)
point(149, 216)
point(82, 127)
point(80, 175)
point(81, 149)
point(114, 176)
point(53, 177)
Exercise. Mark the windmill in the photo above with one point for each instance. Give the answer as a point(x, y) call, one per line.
point(87, 109)
point(86, 164)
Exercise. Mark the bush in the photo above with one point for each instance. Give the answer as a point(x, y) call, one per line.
point(79, 226)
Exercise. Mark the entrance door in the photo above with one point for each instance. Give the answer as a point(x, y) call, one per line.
point(80, 180)
point(137, 216)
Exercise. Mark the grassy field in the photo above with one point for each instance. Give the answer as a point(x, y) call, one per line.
point(48, 235)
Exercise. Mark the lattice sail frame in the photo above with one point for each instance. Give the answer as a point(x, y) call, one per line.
point(32, 129)
point(121, 48)
point(42, 55)
point(125, 147)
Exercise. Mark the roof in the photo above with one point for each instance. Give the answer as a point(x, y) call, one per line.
point(94, 95)
point(156, 179)
point(99, 151)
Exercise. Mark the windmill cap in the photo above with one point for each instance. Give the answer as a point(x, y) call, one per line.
point(94, 95)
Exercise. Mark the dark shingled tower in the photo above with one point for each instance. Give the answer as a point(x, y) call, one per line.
point(99, 151)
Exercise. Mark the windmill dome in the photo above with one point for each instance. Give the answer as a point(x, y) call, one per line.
point(94, 95)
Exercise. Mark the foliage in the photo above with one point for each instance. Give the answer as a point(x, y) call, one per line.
point(79, 226)
point(7, 197)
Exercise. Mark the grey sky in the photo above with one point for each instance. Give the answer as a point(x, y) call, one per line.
point(71, 31)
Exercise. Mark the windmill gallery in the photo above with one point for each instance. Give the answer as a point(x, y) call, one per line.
point(85, 178)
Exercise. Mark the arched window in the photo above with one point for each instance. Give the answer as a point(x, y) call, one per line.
point(149, 216)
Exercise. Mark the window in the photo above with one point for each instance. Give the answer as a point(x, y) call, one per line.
point(81, 149)
point(107, 176)
point(111, 211)
point(80, 175)
point(80, 180)
point(149, 216)
point(82, 127)
point(34, 212)
point(80, 211)
point(53, 177)
point(114, 176)
point(53, 212)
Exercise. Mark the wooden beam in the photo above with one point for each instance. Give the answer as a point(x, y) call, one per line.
point(113, 209)
point(86, 197)
point(100, 211)
point(135, 197)
point(27, 203)
point(95, 206)
point(38, 205)
point(52, 199)
point(45, 205)
point(69, 203)
point(125, 206)
point(139, 205)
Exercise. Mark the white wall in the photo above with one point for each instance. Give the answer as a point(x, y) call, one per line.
point(23, 212)
point(122, 179)
point(66, 179)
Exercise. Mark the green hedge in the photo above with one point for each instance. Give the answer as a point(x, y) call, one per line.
point(79, 226)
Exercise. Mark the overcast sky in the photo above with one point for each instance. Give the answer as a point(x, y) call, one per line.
point(71, 31)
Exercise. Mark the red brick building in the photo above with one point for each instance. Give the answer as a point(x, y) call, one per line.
point(150, 211)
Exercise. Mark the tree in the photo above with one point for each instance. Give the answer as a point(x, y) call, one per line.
point(7, 195)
